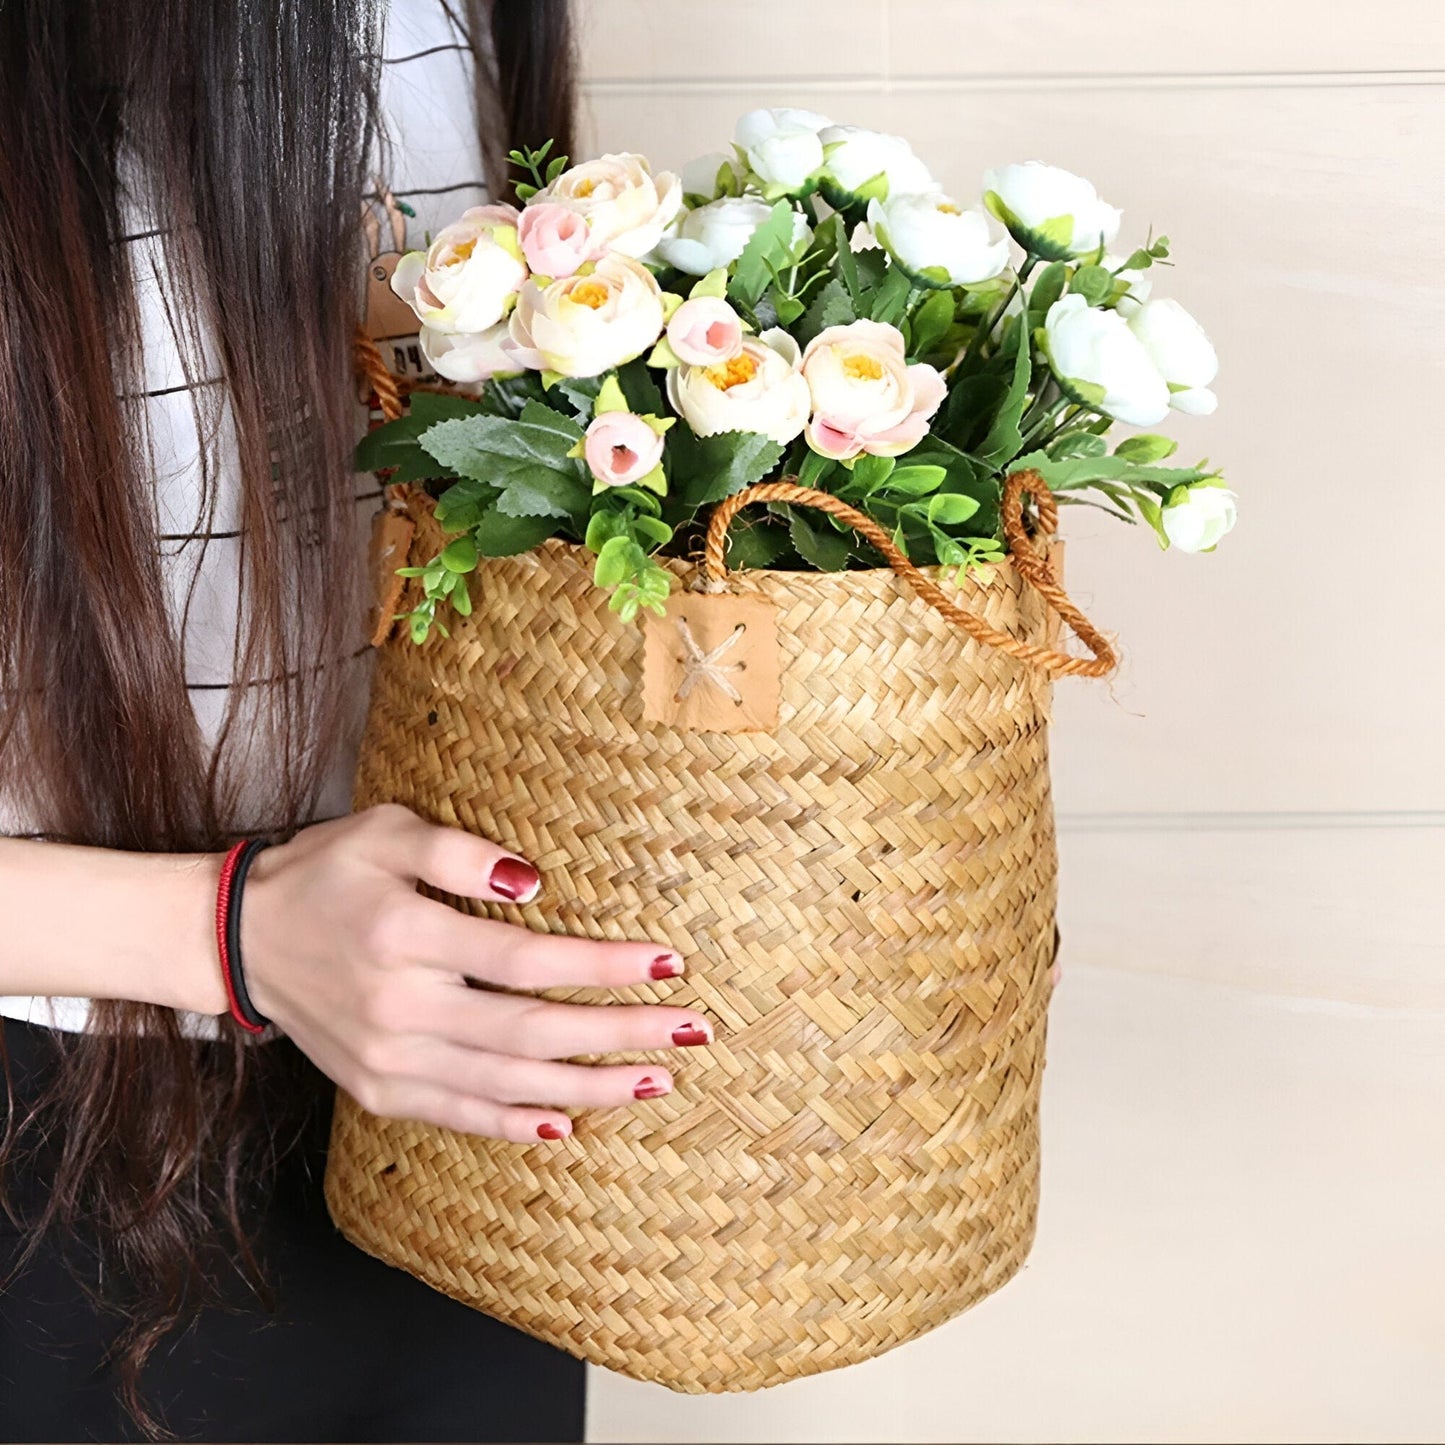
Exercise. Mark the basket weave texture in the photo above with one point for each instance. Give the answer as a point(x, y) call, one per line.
point(865, 900)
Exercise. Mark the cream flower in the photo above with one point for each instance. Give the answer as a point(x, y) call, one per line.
point(714, 235)
point(759, 390)
point(1177, 345)
point(934, 241)
point(1100, 362)
point(1049, 211)
point(863, 163)
point(469, 356)
point(621, 448)
point(781, 145)
point(865, 395)
point(1197, 520)
point(705, 331)
point(468, 278)
point(590, 322)
point(626, 206)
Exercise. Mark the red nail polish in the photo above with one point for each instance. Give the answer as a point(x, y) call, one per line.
point(688, 1035)
point(665, 965)
point(514, 878)
point(549, 1131)
point(649, 1088)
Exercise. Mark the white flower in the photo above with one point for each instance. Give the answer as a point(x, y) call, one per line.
point(712, 175)
point(714, 235)
point(1050, 212)
point(588, 323)
point(863, 162)
point(759, 390)
point(1100, 362)
point(865, 395)
point(1196, 520)
point(1177, 345)
point(626, 207)
point(928, 235)
point(469, 356)
point(468, 278)
point(781, 145)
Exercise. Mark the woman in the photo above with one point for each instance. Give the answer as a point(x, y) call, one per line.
point(181, 264)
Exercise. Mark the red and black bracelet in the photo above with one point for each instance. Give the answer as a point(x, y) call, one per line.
point(234, 868)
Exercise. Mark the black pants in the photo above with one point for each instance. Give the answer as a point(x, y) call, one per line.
point(357, 1351)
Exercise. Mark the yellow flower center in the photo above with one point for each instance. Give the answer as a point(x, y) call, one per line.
point(590, 293)
point(462, 251)
point(862, 368)
point(949, 209)
point(732, 373)
point(584, 188)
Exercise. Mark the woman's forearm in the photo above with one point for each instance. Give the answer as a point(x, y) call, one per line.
point(95, 923)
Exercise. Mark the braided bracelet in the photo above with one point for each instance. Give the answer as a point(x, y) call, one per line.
point(234, 869)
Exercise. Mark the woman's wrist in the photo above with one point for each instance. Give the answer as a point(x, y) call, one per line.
point(97, 923)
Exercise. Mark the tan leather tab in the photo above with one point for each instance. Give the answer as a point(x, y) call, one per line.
point(391, 535)
point(711, 664)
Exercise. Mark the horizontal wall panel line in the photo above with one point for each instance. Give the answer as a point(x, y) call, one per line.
point(927, 84)
point(1244, 822)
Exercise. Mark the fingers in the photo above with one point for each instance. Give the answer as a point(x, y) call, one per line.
point(531, 1028)
point(515, 1081)
point(512, 957)
point(451, 859)
point(433, 1104)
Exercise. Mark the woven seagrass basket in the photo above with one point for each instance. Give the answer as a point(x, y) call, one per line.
point(865, 898)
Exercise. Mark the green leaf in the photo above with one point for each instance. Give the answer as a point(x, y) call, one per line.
point(460, 507)
point(1093, 283)
point(502, 536)
point(1047, 288)
point(930, 322)
point(651, 530)
point(890, 300)
point(460, 554)
point(870, 472)
point(397, 443)
point(1004, 438)
point(526, 460)
point(950, 509)
point(826, 550)
point(707, 469)
point(640, 389)
point(832, 306)
point(768, 250)
point(916, 481)
point(814, 468)
point(1146, 448)
point(604, 525)
point(755, 544)
point(580, 391)
point(1078, 444)
point(462, 597)
point(615, 562)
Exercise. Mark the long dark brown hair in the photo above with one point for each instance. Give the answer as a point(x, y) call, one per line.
point(242, 135)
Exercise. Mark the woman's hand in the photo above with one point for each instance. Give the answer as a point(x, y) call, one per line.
point(366, 976)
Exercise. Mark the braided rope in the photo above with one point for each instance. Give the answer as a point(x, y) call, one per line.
point(1030, 563)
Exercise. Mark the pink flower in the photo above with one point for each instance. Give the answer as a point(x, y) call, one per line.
point(866, 398)
point(705, 331)
point(621, 448)
point(555, 239)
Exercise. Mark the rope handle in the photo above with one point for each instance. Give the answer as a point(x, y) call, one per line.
point(391, 391)
point(1025, 556)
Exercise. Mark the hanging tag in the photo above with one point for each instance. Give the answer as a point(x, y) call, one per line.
point(391, 535)
point(710, 664)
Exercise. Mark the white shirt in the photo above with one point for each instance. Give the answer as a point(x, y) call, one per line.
point(436, 170)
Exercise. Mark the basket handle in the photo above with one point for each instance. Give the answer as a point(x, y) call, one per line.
point(1025, 556)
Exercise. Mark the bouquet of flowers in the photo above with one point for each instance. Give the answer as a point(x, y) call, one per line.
point(833, 799)
point(641, 345)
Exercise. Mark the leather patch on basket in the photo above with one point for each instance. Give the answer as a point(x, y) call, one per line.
point(711, 664)
point(391, 535)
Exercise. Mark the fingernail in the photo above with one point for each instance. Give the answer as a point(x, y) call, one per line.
point(665, 965)
point(549, 1131)
point(515, 878)
point(649, 1088)
point(690, 1034)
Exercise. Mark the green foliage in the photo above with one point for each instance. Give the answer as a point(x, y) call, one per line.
point(707, 469)
point(1004, 438)
point(397, 444)
point(768, 251)
point(526, 460)
point(930, 323)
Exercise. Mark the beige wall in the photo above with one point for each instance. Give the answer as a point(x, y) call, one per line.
point(1240, 1235)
